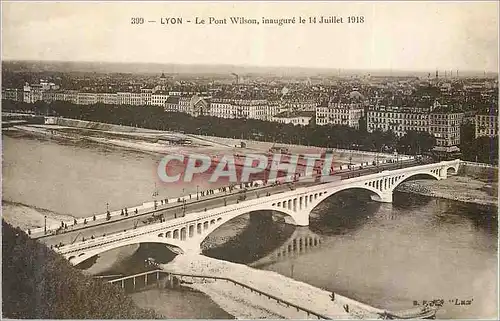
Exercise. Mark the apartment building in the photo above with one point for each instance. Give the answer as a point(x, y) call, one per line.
point(107, 98)
point(12, 94)
point(59, 96)
point(86, 98)
point(185, 105)
point(274, 107)
point(136, 99)
point(251, 108)
point(159, 99)
point(124, 98)
point(147, 94)
point(49, 96)
point(486, 125)
point(222, 108)
point(398, 119)
point(240, 108)
point(337, 113)
point(32, 93)
point(71, 96)
point(446, 128)
point(172, 104)
point(297, 105)
point(299, 118)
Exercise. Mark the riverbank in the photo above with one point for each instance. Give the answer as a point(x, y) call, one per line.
point(144, 142)
point(458, 188)
point(30, 217)
point(139, 142)
point(244, 304)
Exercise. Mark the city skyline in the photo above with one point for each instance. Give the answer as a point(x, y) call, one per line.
point(464, 35)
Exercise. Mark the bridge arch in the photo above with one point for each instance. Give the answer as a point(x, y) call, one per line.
point(76, 258)
point(381, 188)
point(290, 217)
point(453, 171)
point(375, 194)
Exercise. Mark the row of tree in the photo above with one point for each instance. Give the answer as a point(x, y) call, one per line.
point(483, 149)
point(335, 136)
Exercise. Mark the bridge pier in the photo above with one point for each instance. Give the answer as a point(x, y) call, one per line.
point(301, 219)
point(384, 198)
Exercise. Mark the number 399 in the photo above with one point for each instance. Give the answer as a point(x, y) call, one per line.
point(137, 21)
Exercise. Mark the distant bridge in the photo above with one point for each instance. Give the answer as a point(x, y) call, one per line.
point(186, 234)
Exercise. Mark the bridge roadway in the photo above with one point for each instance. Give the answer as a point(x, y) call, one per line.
point(82, 232)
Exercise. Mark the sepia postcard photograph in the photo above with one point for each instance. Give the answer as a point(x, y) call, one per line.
point(249, 160)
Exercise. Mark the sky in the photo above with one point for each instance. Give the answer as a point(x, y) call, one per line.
point(395, 35)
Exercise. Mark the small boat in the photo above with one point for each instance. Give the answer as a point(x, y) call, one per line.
point(424, 312)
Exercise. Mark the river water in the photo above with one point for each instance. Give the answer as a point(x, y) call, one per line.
point(387, 255)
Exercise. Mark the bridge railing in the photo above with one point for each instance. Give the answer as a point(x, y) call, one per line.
point(196, 217)
point(220, 278)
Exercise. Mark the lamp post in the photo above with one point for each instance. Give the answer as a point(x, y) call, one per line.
point(45, 228)
point(183, 202)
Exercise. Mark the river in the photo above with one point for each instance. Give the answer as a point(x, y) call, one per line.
point(387, 255)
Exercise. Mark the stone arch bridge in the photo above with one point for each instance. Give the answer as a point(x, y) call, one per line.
point(186, 234)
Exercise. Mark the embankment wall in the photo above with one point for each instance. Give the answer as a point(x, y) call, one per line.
point(478, 171)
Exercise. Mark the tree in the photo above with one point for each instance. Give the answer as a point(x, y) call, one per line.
point(38, 283)
point(390, 139)
point(375, 140)
point(486, 150)
point(415, 142)
point(467, 134)
point(362, 124)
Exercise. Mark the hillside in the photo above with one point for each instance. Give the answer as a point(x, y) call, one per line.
point(37, 283)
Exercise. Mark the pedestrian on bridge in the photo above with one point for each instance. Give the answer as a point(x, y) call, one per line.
point(136, 211)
